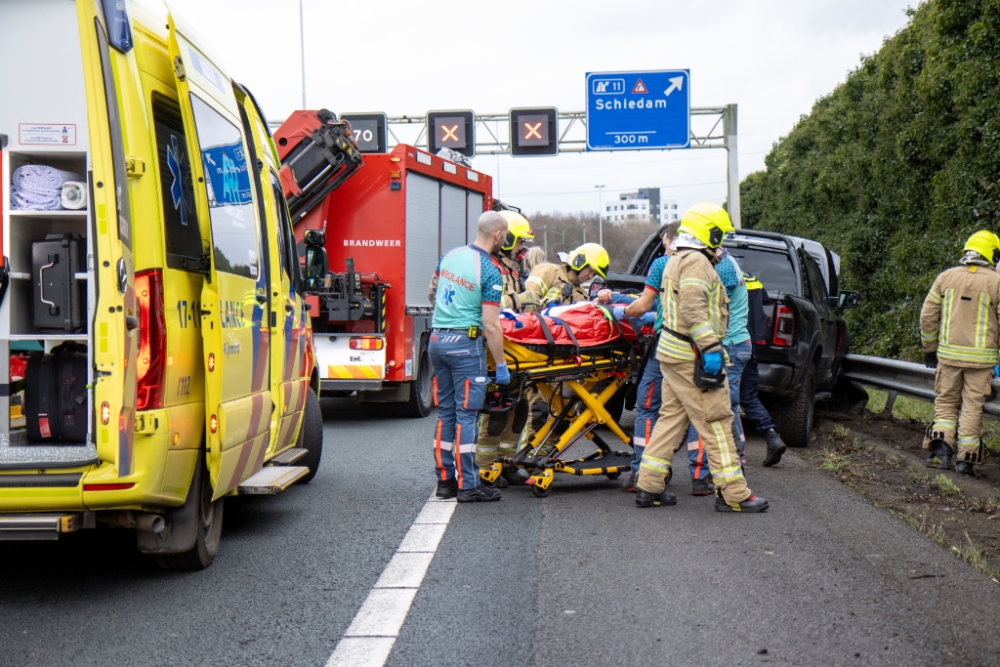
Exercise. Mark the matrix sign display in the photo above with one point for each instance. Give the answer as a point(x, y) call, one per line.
point(534, 131)
point(452, 129)
point(368, 130)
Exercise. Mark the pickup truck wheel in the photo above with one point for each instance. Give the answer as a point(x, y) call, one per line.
point(421, 389)
point(209, 530)
point(311, 436)
point(794, 418)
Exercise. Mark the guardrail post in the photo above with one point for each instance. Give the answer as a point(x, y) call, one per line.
point(890, 400)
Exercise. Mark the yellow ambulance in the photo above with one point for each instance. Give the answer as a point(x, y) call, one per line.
point(156, 355)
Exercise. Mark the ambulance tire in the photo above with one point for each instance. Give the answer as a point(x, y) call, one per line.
point(209, 529)
point(311, 436)
point(421, 389)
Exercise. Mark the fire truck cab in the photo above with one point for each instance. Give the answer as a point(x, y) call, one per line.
point(194, 336)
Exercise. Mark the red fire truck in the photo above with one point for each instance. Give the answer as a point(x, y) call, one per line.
point(388, 217)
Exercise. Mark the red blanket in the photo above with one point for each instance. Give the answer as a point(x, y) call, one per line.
point(591, 326)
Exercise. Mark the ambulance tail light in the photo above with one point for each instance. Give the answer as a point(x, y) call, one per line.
point(367, 343)
point(151, 365)
point(784, 326)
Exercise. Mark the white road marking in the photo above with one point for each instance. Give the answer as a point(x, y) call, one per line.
point(370, 637)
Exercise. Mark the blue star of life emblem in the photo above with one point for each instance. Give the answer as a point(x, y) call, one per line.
point(176, 188)
point(449, 294)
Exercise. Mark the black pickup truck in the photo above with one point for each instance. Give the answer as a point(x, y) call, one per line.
point(801, 359)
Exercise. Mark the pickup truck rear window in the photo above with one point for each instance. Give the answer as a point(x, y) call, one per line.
point(772, 268)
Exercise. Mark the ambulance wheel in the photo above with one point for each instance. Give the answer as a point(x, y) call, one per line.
point(421, 389)
point(311, 436)
point(208, 516)
point(540, 492)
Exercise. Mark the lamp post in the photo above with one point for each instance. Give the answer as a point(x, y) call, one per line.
point(600, 214)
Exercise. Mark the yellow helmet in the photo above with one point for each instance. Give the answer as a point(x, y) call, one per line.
point(707, 222)
point(592, 255)
point(518, 227)
point(986, 244)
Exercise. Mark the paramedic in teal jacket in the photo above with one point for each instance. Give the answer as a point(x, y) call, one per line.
point(466, 321)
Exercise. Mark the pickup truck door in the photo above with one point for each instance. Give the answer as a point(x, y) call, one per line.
point(828, 323)
point(234, 295)
point(115, 313)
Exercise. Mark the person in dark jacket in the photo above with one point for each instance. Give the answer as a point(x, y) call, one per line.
point(749, 401)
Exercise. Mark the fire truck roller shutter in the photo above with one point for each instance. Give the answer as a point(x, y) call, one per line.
point(423, 208)
point(475, 209)
point(452, 217)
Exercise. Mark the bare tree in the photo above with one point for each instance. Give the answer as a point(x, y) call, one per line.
point(566, 231)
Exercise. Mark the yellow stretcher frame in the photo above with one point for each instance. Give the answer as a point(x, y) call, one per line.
point(572, 388)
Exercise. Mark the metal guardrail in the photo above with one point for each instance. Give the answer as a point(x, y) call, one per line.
point(904, 377)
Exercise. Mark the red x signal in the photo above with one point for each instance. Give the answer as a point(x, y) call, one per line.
point(532, 130)
point(449, 132)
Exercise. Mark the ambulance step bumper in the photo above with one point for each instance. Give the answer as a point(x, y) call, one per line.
point(42, 526)
point(350, 385)
point(272, 480)
point(288, 457)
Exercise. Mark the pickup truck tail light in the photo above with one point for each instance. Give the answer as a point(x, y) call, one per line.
point(784, 326)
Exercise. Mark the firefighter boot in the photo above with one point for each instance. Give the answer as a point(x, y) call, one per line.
point(751, 505)
point(702, 487)
point(647, 499)
point(965, 468)
point(447, 488)
point(775, 447)
point(478, 494)
point(513, 476)
point(941, 453)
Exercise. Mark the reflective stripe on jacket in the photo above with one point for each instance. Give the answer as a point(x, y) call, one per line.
point(694, 305)
point(960, 319)
point(553, 282)
point(512, 283)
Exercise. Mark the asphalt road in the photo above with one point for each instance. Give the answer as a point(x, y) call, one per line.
point(582, 577)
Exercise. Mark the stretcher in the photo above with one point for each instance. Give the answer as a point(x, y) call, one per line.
point(577, 358)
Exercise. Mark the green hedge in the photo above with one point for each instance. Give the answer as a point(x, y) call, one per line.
point(896, 167)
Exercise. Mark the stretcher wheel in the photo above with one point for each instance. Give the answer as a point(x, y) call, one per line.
point(540, 492)
point(613, 475)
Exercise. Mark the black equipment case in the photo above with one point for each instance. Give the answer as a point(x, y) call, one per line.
point(55, 395)
point(60, 302)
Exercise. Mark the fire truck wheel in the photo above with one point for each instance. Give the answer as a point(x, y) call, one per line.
point(209, 530)
point(311, 436)
point(421, 389)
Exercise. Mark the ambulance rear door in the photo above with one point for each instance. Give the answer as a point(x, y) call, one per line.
point(234, 296)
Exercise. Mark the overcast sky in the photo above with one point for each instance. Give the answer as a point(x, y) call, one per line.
point(773, 58)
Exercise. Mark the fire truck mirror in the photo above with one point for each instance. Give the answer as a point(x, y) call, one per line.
point(315, 237)
point(317, 266)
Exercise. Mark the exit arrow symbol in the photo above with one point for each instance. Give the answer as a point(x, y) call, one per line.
point(676, 83)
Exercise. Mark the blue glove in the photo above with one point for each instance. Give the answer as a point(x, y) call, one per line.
point(618, 312)
point(503, 375)
point(996, 371)
point(712, 362)
point(648, 318)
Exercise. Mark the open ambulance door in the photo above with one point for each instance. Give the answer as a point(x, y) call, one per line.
point(114, 331)
point(238, 409)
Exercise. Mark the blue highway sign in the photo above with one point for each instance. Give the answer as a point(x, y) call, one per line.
point(629, 111)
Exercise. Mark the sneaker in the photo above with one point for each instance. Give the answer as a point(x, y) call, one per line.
point(775, 447)
point(447, 488)
point(647, 499)
point(513, 476)
point(965, 468)
point(478, 494)
point(702, 487)
point(629, 485)
point(751, 505)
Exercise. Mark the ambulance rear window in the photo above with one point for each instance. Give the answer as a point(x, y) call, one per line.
point(227, 184)
point(176, 188)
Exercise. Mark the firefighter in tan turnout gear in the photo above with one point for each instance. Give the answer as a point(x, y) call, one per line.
point(695, 317)
point(560, 283)
point(960, 332)
point(499, 433)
